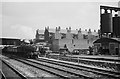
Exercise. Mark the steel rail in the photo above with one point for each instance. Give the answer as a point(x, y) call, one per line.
point(15, 70)
point(43, 67)
point(77, 74)
point(75, 66)
point(3, 76)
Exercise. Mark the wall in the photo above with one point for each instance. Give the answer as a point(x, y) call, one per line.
point(84, 40)
point(71, 44)
point(55, 45)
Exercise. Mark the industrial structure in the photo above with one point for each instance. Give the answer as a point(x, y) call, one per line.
point(110, 25)
point(109, 41)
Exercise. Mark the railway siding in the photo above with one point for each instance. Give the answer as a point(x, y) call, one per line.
point(77, 67)
point(108, 64)
point(99, 70)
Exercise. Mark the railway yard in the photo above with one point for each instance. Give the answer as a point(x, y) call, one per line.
point(85, 67)
point(56, 54)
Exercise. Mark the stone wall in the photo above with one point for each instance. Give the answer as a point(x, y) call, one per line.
point(71, 44)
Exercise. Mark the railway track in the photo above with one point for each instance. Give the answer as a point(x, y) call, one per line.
point(112, 74)
point(103, 59)
point(102, 63)
point(9, 72)
point(66, 70)
point(2, 75)
point(56, 70)
point(109, 65)
point(61, 68)
point(60, 73)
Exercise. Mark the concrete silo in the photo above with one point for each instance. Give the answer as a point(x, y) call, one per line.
point(106, 23)
point(116, 26)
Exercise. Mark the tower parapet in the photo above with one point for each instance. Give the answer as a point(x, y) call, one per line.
point(57, 33)
point(69, 34)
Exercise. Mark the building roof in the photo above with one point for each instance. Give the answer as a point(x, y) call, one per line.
point(102, 40)
point(64, 31)
point(9, 39)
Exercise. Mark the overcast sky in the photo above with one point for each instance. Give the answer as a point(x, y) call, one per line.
point(21, 19)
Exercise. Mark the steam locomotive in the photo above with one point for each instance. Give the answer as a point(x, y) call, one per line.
point(27, 51)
